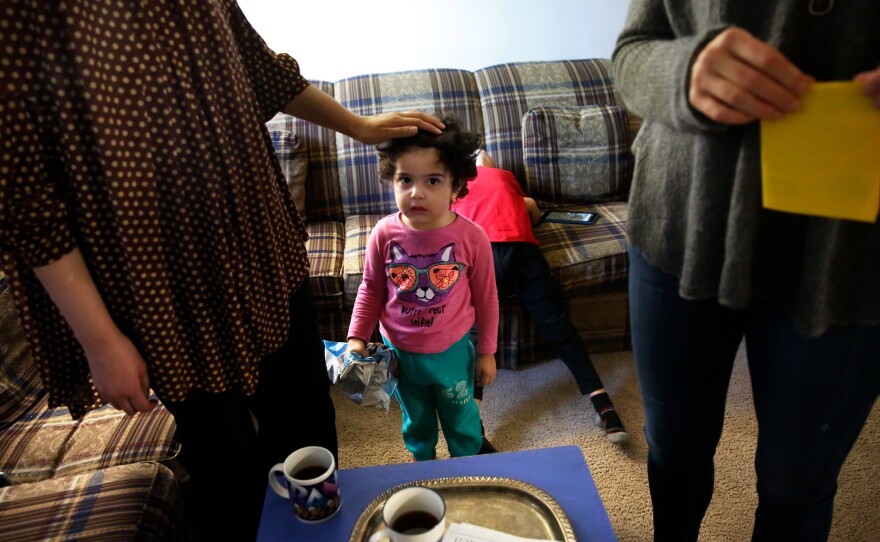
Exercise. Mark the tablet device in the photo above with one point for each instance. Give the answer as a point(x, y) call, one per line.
point(569, 217)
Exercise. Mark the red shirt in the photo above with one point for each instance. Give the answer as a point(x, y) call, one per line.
point(495, 202)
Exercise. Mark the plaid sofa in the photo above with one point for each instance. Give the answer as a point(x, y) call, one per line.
point(104, 477)
point(556, 125)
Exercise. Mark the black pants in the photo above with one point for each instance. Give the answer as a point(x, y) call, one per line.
point(521, 269)
point(227, 458)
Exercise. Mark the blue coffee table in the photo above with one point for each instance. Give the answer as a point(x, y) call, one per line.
point(561, 472)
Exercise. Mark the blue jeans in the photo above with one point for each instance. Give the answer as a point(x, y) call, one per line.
point(812, 396)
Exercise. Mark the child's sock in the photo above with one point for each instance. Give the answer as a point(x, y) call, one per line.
point(608, 419)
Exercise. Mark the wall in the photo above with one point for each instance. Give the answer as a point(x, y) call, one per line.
point(333, 39)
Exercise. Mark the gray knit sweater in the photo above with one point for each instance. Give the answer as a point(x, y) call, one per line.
point(695, 205)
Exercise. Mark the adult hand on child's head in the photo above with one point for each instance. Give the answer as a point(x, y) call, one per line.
point(484, 369)
point(738, 78)
point(870, 81)
point(385, 126)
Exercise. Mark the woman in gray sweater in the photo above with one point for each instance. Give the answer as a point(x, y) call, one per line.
point(710, 267)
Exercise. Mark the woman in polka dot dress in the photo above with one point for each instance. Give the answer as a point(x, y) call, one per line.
point(149, 237)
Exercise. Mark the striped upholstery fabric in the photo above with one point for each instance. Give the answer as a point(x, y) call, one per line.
point(325, 248)
point(48, 442)
point(31, 448)
point(322, 182)
point(577, 155)
point(357, 233)
point(509, 91)
point(292, 156)
point(106, 437)
point(20, 385)
point(435, 91)
point(137, 502)
point(588, 259)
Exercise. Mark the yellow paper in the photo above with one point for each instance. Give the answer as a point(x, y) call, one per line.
point(824, 160)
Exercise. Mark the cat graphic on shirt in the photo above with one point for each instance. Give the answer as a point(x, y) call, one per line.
point(423, 279)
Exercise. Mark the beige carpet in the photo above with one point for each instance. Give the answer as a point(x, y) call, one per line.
point(541, 406)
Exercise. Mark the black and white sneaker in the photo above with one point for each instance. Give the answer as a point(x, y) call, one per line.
point(610, 422)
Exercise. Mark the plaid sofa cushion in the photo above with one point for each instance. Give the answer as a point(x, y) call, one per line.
point(128, 502)
point(20, 384)
point(588, 259)
point(107, 437)
point(290, 151)
point(322, 182)
point(603, 321)
point(508, 91)
point(357, 233)
point(48, 441)
point(577, 155)
point(325, 248)
point(434, 91)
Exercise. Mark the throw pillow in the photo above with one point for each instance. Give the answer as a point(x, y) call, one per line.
point(292, 156)
point(577, 154)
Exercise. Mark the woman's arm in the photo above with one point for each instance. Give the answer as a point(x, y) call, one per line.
point(317, 107)
point(118, 371)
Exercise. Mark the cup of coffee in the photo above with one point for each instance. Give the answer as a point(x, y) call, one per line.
point(413, 514)
point(312, 488)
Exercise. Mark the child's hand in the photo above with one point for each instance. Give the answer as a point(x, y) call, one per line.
point(356, 345)
point(533, 210)
point(484, 370)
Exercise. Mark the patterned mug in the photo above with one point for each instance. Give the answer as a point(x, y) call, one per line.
point(312, 488)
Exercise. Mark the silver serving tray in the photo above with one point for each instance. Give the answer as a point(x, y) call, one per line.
point(504, 504)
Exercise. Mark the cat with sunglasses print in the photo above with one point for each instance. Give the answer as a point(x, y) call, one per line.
point(420, 279)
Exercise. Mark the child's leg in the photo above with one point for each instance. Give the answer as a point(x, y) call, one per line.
point(454, 392)
point(420, 432)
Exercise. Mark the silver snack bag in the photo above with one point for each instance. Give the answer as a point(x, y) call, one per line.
point(368, 381)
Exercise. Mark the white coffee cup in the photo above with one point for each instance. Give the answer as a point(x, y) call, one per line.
point(312, 488)
point(413, 514)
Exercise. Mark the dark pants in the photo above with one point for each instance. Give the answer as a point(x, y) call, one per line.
point(227, 459)
point(812, 396)
point(521, 269)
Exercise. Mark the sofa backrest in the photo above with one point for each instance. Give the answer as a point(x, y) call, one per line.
point(342, 179)
point(434, 91)
point(322, 197)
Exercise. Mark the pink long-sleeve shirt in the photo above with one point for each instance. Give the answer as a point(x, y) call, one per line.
point(427, 288)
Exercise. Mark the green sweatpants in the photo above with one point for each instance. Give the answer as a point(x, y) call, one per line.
point(432, 385)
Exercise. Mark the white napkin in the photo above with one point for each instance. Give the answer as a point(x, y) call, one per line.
point(465, 532)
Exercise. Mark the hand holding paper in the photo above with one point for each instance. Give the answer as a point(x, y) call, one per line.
point(824, 160)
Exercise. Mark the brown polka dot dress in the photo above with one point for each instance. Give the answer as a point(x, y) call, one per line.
point(135, 131)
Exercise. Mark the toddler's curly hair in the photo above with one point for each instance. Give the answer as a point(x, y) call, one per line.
point(456, 149)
